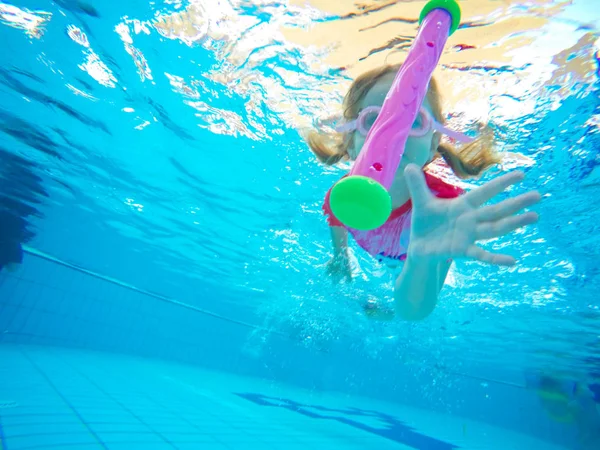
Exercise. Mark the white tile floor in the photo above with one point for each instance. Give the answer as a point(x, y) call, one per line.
point(52, 398)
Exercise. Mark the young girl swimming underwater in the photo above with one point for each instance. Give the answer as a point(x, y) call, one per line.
point(432, 222)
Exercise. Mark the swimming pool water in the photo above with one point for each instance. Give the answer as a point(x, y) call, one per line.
point(172, 211)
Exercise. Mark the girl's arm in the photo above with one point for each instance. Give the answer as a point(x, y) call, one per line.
point(452, 228)
point(419, 285)
point(417, 290)
point(339, 266)
point(339, 239)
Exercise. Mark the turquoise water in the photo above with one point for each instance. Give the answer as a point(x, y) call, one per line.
point(159, 156)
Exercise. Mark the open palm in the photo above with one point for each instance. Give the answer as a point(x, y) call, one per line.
point(451, 228)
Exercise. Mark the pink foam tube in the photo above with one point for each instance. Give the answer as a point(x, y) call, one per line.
point(380, 156)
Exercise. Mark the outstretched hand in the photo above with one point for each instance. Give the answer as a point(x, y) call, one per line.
point(451, 228)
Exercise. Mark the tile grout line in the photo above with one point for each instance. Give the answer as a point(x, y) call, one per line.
point(64, 399)
point(125, 408)
point(220, 418)
point(180, 417)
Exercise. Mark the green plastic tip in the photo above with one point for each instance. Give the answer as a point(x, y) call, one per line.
point(360, 203)
point(451, 6)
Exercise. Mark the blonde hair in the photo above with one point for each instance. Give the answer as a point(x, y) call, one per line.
point(469, 161)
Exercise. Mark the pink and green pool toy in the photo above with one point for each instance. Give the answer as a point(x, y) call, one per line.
point(361, 200)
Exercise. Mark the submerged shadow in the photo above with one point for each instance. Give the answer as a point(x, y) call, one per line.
point(392, 428)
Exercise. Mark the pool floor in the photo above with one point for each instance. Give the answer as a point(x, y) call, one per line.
point(54, 398)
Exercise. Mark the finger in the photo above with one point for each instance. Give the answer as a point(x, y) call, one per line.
point(417, 186)
point(489, 190)
point(507, 207)
point(499, 228)
point(491, 258)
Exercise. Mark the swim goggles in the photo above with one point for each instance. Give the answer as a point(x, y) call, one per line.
point(422, 125)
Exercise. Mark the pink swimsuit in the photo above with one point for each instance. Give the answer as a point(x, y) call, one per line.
point(389, 242)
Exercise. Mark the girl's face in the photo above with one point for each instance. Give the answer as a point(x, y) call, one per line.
point(419, 150)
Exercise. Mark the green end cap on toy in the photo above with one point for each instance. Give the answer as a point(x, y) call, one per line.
point(360, 203)
point(451, 6)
